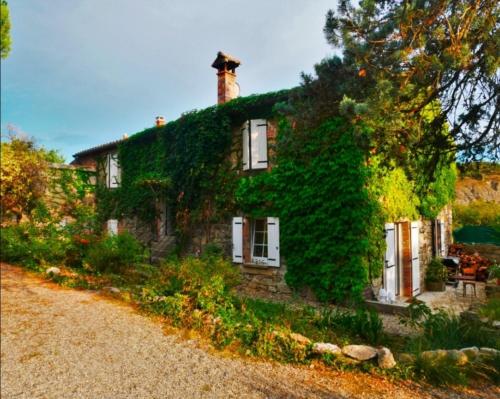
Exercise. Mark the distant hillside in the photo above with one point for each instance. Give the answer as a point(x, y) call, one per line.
point(478, 182)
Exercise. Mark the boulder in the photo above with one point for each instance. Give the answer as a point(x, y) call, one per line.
point(359, 352)
point(112, 290)
point(385, 358)
point(489, 352)
point(300, 339)
point(460, 358)
point(53, 271)
point(471, 352)
point(321, 348)
point(434, 355)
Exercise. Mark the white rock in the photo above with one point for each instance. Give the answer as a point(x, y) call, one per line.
point(471, 352)
point(359, 352)
point(113, 290)
point(385, 359)
point(459, 357)
point(321, 348)
point(55, 271)
point(489, 351)
point(496, 324)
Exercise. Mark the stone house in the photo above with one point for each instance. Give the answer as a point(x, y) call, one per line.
point(254, 243)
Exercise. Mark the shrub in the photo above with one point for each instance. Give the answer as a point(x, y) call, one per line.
point(477, 213)
point(436, 272)
point(115, 253)
point(445, 330)
point(190, 273)
point(32, 245)
point(491, 309)
point(363, 323)
point(440, 370)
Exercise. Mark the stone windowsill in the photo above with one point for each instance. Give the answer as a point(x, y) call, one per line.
point(259, 266)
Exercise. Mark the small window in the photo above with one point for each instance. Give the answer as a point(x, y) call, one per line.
point(259, 241)
point(113, 172)
point(112, 227)
point(254, 136)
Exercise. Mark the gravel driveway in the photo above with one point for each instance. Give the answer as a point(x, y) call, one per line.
point(62, 343)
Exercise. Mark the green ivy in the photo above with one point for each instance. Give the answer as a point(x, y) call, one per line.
point(331, 194)
point(330, 226)
point(184, 162)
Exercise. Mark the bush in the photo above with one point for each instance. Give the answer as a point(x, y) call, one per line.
point(445, 330)
point(115, 253)
point(190, 273)
point(32, 245)
point(363, 323)
point(436, 272)
point(477, 213)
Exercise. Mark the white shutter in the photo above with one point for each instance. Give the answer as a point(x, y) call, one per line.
point(246, 146)
point(273, 242)
point(238, 240)
point(258, 143)
point(114, 171)
point(390, 260)
point(415, 257)
point(112, 227)
point(443, 243)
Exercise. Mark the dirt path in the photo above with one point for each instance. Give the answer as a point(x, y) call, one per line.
point(61, 343)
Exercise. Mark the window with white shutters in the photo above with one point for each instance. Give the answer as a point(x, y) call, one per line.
point(113, 172)
point(112, 227)
point(254, 136)
point(273, 242)
point(263, 241)
point(238, 240)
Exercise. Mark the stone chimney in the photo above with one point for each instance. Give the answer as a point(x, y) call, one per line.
point(227, 88)
point(160, 121)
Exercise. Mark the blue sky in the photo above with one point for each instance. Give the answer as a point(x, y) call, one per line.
point(85, 72)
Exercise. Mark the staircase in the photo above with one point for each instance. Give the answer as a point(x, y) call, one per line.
point(161, 248)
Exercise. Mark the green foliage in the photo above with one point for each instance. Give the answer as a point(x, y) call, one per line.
point(435, 272)
point(185, 162)
point(115, 253)
point(395, 192)
point(491, 309)
point(477, 213)
point(33, 245)
point(478, 170)
point(361, 323)
point(442, 371)
point(5, 39)
point(411, 55)
point(330, 227)
point(444, 330)
point(437, 192)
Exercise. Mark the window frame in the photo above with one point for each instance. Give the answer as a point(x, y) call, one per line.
point(264, 244)
point(247, 147)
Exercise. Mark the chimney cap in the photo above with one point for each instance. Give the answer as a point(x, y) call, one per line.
point(225, 59)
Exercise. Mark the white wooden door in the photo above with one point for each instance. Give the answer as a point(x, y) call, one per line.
point(415, 258)
point(390, 260)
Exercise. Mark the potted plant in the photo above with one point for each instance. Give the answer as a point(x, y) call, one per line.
point(494, 273)
point(436, 275)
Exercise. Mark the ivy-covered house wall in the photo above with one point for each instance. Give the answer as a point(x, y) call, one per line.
point(328, 193)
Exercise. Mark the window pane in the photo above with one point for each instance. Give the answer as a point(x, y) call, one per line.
point(259, 238)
